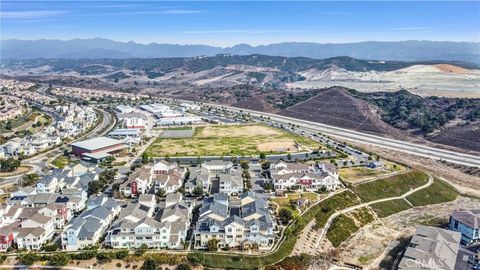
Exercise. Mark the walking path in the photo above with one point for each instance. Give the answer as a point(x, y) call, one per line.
point(324, 230)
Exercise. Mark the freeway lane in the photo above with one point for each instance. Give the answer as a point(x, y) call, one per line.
point(411, 148)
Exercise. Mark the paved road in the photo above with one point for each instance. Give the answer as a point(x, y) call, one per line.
point(42, 160)
point(406, 147)
point(346, 210)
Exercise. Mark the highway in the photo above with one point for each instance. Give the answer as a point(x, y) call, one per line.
point(375, 140)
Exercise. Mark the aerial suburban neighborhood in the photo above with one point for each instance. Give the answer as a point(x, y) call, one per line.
point(249, 135)
point(178, 176)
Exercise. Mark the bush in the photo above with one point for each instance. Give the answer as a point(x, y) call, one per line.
point(106, 256)
point(51, 247)
point(85, 255)
point(60, 259)
point(121, 254)
point(28, 258)
point(183, 266)
point(118, 265)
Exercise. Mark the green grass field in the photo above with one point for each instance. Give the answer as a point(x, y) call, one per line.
point(391, 186)
point(438, 192)
point(388, 208)
point(231, 140)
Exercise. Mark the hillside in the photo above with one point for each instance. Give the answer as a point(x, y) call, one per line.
point(449, 121)
point(266, 72)
point(335, 106)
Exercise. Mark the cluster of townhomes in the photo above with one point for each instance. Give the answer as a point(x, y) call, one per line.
point(32, 213)
point(74, 121)
point(162, 175)
point(58, 204)
point(308, 176)
point(11, 107)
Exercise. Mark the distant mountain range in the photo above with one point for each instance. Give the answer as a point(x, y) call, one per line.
point(103, 48)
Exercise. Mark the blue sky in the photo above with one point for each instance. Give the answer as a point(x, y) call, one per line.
point(229, 23)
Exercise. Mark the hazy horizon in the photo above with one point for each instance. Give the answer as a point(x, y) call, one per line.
point(225, 24)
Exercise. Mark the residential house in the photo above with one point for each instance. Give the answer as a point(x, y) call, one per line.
point(468, 224)
point(167, 230)
point(235, 222)
point(311, 177)
point(139, 182)
point(167, 176)
point(86, 229)
point(433, 248)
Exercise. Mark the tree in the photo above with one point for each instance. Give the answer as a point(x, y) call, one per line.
point(198, 191)
point(244, 165)
point(263, 156)
point(161, 193)
point(29, 179)
point(144, 158)
point(289, 156)
point(268, 186)
point(9, 165)
point(285, 215)
point(265, 165)
point(212, 244)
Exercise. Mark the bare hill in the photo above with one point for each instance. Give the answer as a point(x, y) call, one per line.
point(335, 106)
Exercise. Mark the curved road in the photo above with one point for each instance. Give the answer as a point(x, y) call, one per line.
point(42, 160)
point(406, 147)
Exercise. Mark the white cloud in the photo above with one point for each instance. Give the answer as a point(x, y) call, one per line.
point(30, 14)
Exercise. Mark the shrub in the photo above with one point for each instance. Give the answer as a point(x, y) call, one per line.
point(28, 258)
point(118, 265)
point(60, 259)
point(183, 266)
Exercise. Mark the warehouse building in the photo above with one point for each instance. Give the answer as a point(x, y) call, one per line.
point(98, 149)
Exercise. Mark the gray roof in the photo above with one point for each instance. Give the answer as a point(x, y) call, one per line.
point(471, 218)
point(431, 245)
point(96, 143)
point(232, 211)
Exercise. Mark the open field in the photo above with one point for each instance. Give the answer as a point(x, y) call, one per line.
point(236, 140)
point(438, 192)
point(391, 186)
point(388, 208)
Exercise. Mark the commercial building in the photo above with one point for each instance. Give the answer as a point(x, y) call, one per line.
point(98, 149)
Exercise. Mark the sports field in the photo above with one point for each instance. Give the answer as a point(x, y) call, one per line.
point(231, 140)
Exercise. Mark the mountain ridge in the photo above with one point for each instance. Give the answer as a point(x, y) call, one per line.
point(410, 50)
